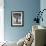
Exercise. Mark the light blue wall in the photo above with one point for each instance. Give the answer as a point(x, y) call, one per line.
point(43, 6)
point(30, 7)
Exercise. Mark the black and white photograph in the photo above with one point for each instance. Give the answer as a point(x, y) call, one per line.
point(17, 18)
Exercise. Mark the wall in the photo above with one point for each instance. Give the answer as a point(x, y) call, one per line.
point(30, 7)
point(42, 6)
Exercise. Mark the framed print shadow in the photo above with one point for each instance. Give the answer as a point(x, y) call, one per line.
point(17, 18)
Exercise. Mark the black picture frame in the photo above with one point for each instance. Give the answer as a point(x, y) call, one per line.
point(17, 18)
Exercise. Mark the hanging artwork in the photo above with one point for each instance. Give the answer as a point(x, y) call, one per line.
point(17, 18)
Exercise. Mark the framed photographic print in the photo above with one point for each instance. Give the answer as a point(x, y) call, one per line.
point(17, 18)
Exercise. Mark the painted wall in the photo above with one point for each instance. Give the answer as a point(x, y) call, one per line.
point(30, 7)
point(43, 6)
